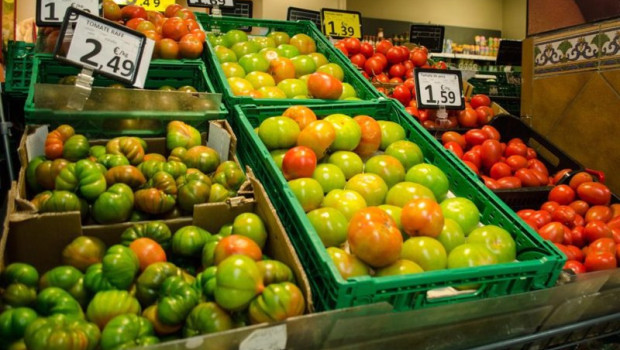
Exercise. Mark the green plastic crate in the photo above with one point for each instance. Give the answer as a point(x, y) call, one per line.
point(539, 265)
point(102, 123)
point(365, 90)
point(18, 68)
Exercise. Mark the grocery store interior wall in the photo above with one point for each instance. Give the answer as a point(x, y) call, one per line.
point(276, 9)
point(514, 18)
point(571, 89)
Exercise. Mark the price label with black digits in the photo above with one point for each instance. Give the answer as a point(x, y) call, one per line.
point(104, 46)
point(149, 5)
point(211, 3)
point(52, 12)
point(341, 24)
point(439, 88)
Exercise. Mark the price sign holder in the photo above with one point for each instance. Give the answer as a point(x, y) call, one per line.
point(149, 5)
point(439, 89)
point(341, 24)
point(50, 13)
point(211, 3)
point(98, 45)
point(299, 14)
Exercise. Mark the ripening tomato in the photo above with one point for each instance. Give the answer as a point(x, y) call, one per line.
point(553, 231)
point(599, 212)
point(475, 137)
point(168, 49)
point(374, 237)
point(468, 118)
point(324, 86)
point(549, 206)
point(455, 148)
point(595, 193)
point(602, 245)
point(299, 161)
point(575, 266)
point(491, 132)
point(581, 207)
point(595, 230)
point(509, 182)
point(562, 194)
point(485, 114)
point(172, 9)
point(535, 164)
point(190, 46)
point(563, 214)
point(134, 22)
point(111, 11)
point(480, 100)
point(422, 217)
point(474, 158)
point(148, 251)
point(499, 170)
point(600, 261)
point(174, 28)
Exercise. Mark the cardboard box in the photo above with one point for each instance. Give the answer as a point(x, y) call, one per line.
point(39, 239)
point(33, 140)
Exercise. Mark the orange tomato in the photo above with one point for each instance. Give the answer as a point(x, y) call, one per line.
point(302, 115)
point(318, 136)
point(174, 28)
point(374, 237)
point(148, 251)
point(371, 135)
point(168, 48)
point(190, 46)
point(422, 217)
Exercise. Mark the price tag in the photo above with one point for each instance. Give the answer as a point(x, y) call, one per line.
point(210, 3)
point(439, 88)
point(268, 338)
point(104, 46)
point(52, 12)
point(342, 24)
point(149, 5)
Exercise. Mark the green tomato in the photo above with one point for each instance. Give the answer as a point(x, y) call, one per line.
point(245, 48)
point(128, 331)
point(278, 132)
point(238, 281)
point(451, 235)
point(76, 148)
point(112, 160)
point(400, 267)
point(279, 37)
point(427, 252)
point(110, 303)
point(330, 177)
point(332, 69)
point(407, 152)
point(189, 240)
point(274, 271)
point(120, 266)
point(278, 155)
point(349, 163)
point(205, 282)
point(259, 79)
point(192, 193)
point(114, 205)
point(288, 51)
point(463, 211)
point(403, 192)
point(250, 225)
point(207, 318)
point(308, 192)
point(277, 302)
point(177, 299)
point(13, 323)
point(348, 265)
point(150, 280)
point(31, 176)
point(370, 186)
point(61, 332)
point(179, 134)
point(83, 177)
point(53, 300)
point(330, 224)
point(348, 91)
point(225, 54)
point(67, 278)
point(254, 62)
point(346, 201)
point(20, 273)
point(233, 69)
point(18, 295)
point(348, 132)
point(303, 65)
point(390, 133)
point(293, 87)
point(387, 167)
point(431, 177)
point(497, 240)
point(83, 251)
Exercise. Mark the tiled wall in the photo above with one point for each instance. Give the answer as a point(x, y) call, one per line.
point(572, 93)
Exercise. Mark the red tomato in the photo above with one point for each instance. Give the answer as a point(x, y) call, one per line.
point(560, 174)
point(542, 179)
point(531, 153)
point(509, 182)
point(527, 177)
point(581, 207)
point(475, 137)
point(299, 161)
point(410, 84)
point(395, 80)
point(550, 206)
point(602, 245)
point(553, 231)
point(474, 158)
point(342, 47)
point(616, 234)
point(599, 212)
point(172, 9)
point(353, 45)
point(525, 213)
point(579, 178)
point(574, 253)
point(516, 162)
point(190, 46)
point(381, 78)
point(536, 164)
point(402, 94)
point(440, 65)
point(578, 221)
point(325, 86)
point(562, 194)
point(397, 70)
point(412, 111)
point(491, 132)
point(418, 57)
point(595, 193)
point(134, 22)
point(132, 11)
point(490, 153)
point(480, 100)
point(148, 251)
point(490, 183)
point(614, 223)
point(468, 118)
point(455, 148)
point(453, 136)
point(393, 55)
point(174, 28)
point(381, 58)
point(373, 66)
point(499, 170)
point(577, 237)
point(595, 230)
point(383, 46)
point(615, 209)
point(366, 49)
point(408, 64)
point(485, 114)
point(404, 54)
point(472, 166)
point(563, 214)
point(600, 261)
point(516, 148)
point(359, 60)
point(476, 149)
point(575, 266)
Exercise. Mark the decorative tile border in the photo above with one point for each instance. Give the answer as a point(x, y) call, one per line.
point(582, 49)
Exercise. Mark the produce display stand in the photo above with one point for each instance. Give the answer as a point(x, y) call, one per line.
point(18, 68)
point(539, 262)
point(364, 89)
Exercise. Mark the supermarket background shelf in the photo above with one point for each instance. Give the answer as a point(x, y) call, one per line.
point(462, 56)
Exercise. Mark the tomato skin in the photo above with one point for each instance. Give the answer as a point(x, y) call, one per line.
point(418, 57)
point(324, 86)
point(578, 221)
point(455, 148)
point(490, 183)
point(509, 182)
point(574, 253)
point(516, 148)
point(595, 193)
point(549, 206)
point(599, 212)
point(402, 94)
point(553, 231)
point(600, 261)
point(480, 100)
point(190, 46)
point(148, 251)
point(499, 170)
point(174, 28)
point(525, 213)
point(574, 265)
point(563, 214)
point(422, 217)
point(577, 237)
point(562, 194)
point(491, 132)
point(468, 118)
point(540, 218)
point(614, 223)
point(475, 137)
point(581, 207)
point(490, 153)
point(595, 230)
point(299, 161)
point(453, 136)
point(527, 177)
point(579, 178)
point(374, 237)
point(615, 210)
point(516, 162)
point(602, 245)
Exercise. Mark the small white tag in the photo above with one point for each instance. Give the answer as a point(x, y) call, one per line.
point(145, 63)
point(35, 143)
point(219, 140)
point(270, 338)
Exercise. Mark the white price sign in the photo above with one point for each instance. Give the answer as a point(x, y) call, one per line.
point(211, 3)
point(439, 88)
point(104, 46)
point(52, 12)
